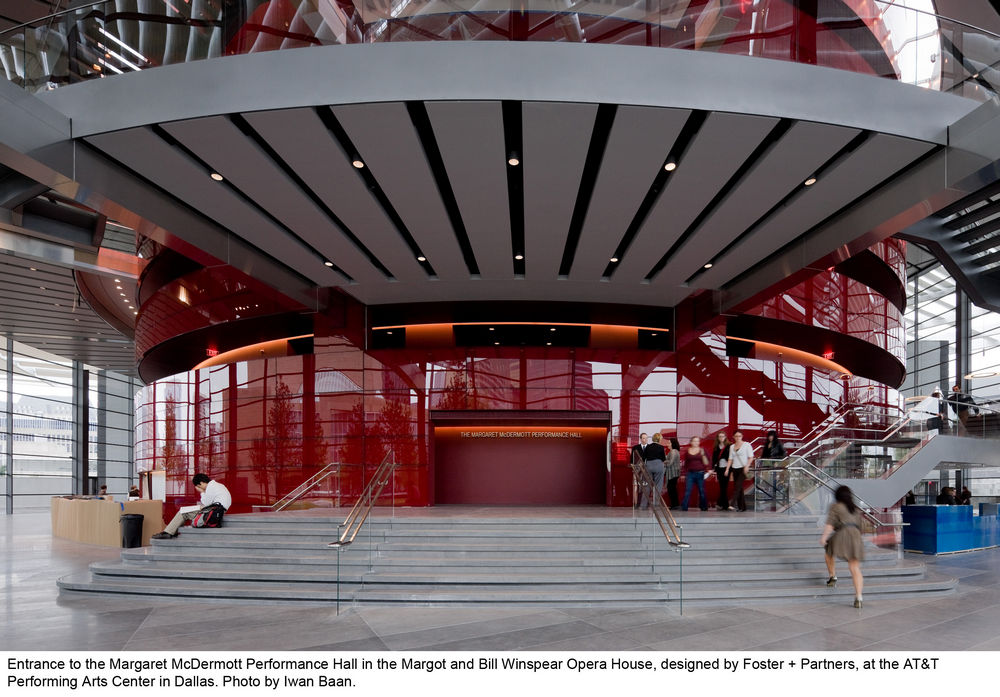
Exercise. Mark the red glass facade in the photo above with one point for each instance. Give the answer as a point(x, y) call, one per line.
point(263, 426)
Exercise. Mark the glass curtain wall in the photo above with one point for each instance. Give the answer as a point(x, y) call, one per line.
point(932, 335)
point(66, 428)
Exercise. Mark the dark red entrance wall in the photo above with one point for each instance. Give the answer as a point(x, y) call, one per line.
point(515, 465)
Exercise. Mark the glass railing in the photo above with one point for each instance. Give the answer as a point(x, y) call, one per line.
point(803, 483)
point(884, 39)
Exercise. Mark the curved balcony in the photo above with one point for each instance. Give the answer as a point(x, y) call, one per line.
point(873, 37)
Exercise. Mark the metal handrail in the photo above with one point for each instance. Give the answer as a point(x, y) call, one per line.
point(60, 13)
point(822, 478)
point(662, 514)
point(301, 490)
point(366, 501)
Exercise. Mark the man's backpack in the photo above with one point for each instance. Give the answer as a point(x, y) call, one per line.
point(209, 517)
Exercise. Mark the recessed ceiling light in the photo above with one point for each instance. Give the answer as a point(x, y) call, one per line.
point(117, 280)
point(389, 332)
point(670, 166)
point(548, 343)
point(491, 328)
point(32, 268)
point(328, 263)
point(552, 329)
point(122, 294)
point(810, 181)
point(519, 257)
point(358, 164)
point(41, 287)
point(614, 260)
point(708, 265)
point(421, 258)
point(136, 312)
point(496, 343)
point(513, 161)
point(216, 176)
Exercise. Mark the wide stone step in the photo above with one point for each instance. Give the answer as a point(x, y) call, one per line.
point(354, 556)
point(554, 594)
point(464, 576)
point(448, 546)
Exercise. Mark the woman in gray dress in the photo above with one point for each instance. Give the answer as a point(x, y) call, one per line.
point(842, 538)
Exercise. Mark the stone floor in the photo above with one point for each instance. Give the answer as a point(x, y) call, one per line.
point(36, 617)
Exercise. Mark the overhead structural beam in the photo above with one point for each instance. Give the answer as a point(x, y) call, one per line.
point(20, 243)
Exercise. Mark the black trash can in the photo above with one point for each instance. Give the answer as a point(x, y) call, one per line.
point(131, 530)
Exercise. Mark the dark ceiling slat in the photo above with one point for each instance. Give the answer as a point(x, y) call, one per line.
point(980, 213)
point(972, 199)
point(982, 245)
point(978, 231)
point(987, 259)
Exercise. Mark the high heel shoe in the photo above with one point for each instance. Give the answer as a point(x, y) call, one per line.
point(832, 581)
point(857, 603)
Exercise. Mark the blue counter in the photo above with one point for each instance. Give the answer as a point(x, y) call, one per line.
point(943, 529)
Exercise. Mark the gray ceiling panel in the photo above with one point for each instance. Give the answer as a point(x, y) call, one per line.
point(802, 150)
point(721, 146)
point(877, 159)
point(471, 139)
point(242, 162)
point(302, 140)
point(639, 143)
point(556, 138)
point(56, 319)
point(389, 145)
point(169, 168)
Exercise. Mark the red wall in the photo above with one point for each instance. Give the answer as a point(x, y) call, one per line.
point(516, 465)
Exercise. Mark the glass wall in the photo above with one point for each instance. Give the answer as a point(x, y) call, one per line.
point(66, 428)
point(932, 335)
point(930, 331)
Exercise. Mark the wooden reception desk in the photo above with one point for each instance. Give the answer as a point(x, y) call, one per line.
point(96, 521)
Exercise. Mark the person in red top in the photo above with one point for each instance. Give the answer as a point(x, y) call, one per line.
point(695, 463)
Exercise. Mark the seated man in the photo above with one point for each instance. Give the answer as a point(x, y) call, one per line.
point(211, 492)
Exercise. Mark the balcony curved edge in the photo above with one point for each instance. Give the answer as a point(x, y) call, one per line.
point(494, 71)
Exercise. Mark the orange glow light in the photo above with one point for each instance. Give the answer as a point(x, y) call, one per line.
point(774, 352)
point(275, 348)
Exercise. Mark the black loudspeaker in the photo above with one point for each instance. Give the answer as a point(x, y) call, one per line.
point(738, 348)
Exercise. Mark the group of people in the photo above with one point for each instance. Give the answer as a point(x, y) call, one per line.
point(729, 461)
point(950, 497)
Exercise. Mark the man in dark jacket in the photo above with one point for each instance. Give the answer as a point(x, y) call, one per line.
point(962, 404)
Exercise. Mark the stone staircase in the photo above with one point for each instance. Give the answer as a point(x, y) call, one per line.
point(597, 559)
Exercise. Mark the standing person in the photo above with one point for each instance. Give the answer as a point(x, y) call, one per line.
point(964, 498)
point(773, 449)
point(672, 470)
point(961, 403)
point(842, 538)
point(639, 449)
point(211, 492)
point(740, 461)
point(654, 465)
point(720, 463)
point(695, 464)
